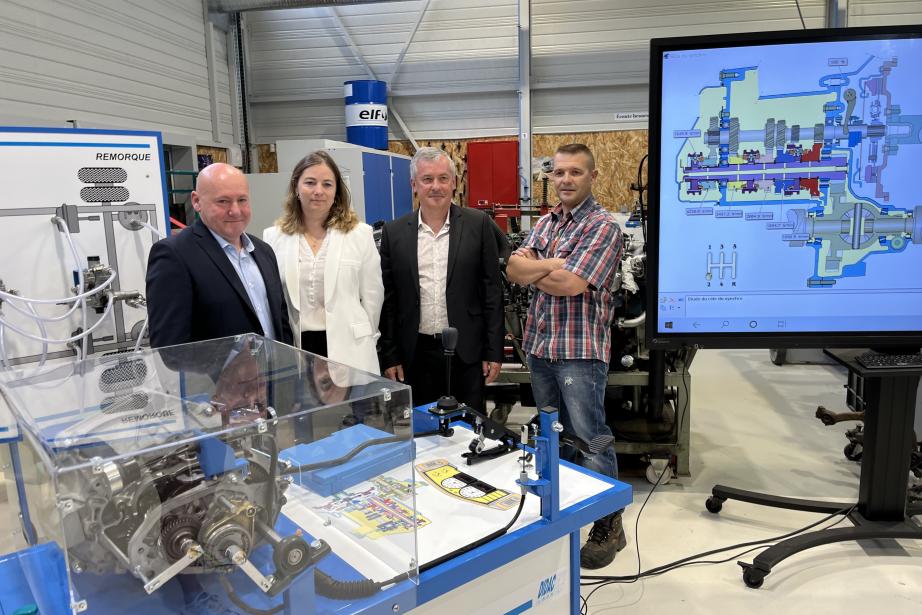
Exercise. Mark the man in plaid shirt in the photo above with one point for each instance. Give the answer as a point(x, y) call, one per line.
point(571, 257)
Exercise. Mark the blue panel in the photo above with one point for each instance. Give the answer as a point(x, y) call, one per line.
point(367, 464)
point(377, 187)
point(217, 457)
point(35, 576)
point(403, 195)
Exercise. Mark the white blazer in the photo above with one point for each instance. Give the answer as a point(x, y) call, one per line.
point(353, 292)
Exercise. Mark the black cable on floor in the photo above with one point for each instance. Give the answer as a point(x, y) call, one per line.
point(601, 581)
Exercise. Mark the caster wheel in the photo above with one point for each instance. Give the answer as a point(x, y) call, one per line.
point(713, 504)
point(753, 578)
point(825, 416)
point(501, 413)
point(656, 468)
point(852, 451)
point(778, 355)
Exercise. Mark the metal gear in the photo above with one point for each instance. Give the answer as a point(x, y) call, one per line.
point(175, 531)
point(220, 538)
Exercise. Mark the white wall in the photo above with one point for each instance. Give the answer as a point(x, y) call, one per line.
point(223, 101)
point(884, 12)
point(130, 64)
point(139, 64)
point(460, 75)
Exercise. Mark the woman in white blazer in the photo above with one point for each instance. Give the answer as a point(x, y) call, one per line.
point(329, 266)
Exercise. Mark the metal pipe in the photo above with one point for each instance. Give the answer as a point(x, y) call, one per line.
point(403, 52)
point(524, 30)
point(632, 323)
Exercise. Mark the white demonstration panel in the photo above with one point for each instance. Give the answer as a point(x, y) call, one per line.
point(107, 189)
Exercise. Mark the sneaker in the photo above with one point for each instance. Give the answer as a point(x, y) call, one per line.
point(606, 538)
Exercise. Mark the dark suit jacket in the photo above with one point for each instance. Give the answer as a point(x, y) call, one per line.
point(194, 294)
point(473, 292)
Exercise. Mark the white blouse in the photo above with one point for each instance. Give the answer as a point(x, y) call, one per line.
point(310, 272)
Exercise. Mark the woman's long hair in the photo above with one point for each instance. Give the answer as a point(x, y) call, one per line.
point(342, 217)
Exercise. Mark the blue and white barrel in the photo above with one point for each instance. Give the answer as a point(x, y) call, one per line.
point(366, 113)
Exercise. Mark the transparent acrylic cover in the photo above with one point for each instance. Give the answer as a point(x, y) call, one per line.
point(238, 472)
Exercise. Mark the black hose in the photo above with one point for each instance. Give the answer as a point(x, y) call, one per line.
point(307, 467)
point(640, 189)
point(327, 586)
point(474, 545)
point(240, 604)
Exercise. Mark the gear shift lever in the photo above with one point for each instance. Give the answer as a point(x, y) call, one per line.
point(449, 342)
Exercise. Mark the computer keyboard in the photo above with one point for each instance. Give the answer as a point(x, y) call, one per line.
point(882, 360)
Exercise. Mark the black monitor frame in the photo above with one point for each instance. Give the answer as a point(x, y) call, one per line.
point(658, 339)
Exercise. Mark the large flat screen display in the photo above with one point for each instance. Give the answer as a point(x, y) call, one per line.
point(785, 189)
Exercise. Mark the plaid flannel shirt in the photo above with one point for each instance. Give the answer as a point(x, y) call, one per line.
point(579, 327)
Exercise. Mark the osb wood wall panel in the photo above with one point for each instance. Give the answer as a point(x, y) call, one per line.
point(218, 154)
point(617, 154)
point(456, 149)
point(268, 162)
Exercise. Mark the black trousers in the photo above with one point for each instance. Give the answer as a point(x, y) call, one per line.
point(315, 342)
point(427, 375)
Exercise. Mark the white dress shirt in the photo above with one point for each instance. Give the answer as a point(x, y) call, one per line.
point(248, 271)
point(432, 260)
point(310, 267)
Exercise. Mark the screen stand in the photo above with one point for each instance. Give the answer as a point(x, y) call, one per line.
point(881, 510)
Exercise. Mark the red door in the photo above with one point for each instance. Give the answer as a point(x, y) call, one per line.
point(492, 173)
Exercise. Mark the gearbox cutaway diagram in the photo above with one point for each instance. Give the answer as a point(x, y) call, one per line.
point(808, 165)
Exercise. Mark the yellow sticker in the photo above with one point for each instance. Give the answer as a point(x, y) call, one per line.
point(449, 479)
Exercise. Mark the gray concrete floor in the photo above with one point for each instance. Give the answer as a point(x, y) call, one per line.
point(753, 427)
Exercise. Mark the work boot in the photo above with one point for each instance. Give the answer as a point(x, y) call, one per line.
point(606, 538)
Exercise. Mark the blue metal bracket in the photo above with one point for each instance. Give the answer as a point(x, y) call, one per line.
point(547, 464)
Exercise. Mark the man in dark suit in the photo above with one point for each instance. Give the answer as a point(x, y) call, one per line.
point(212, 279)
point(441, 268)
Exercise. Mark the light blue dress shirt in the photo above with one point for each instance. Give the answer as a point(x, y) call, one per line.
point(248, 272)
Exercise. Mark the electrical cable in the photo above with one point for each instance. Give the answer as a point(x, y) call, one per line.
point(640, 189)
point(601, 580)
point(325, 585)
point(239, 603)
point(478, 543)
point(683, 413)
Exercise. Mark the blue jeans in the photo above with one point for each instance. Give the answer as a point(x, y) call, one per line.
point(576, 387)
